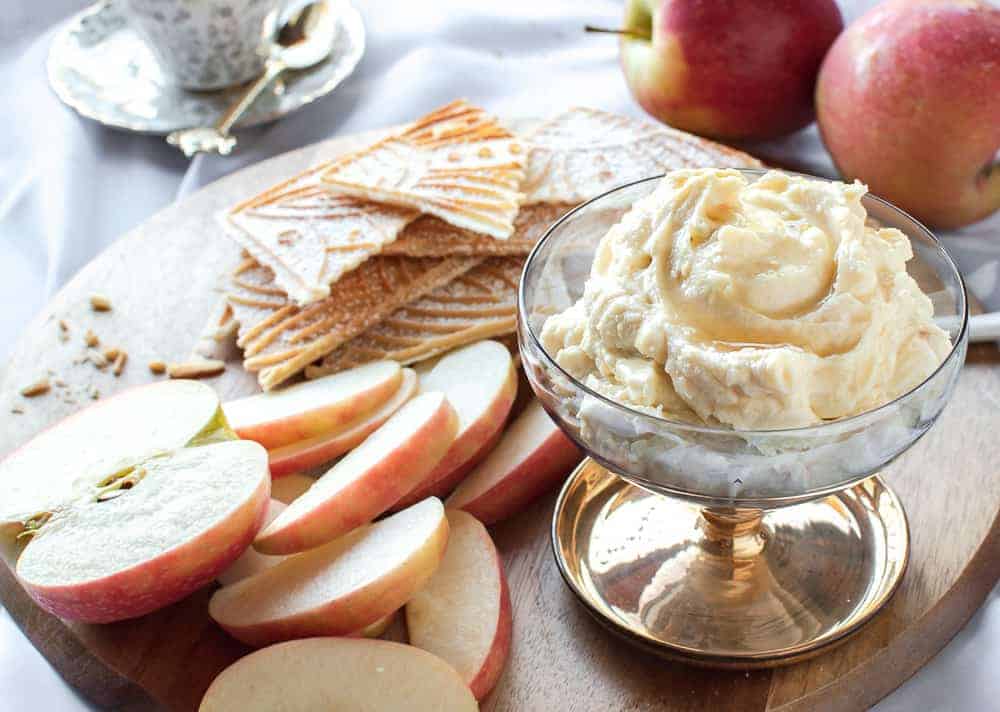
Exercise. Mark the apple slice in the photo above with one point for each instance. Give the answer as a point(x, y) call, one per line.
point(368, 480)
point(377, 628)
point(290, 487)
point(338, 588)
point(339, 674)
point(463, 614)
point(251, 562)
point(315, 407)
point(131, 504)
point(533, 456)
point(322, 449)
point(480, 381)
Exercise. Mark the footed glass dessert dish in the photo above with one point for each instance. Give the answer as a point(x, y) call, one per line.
point(723, 547)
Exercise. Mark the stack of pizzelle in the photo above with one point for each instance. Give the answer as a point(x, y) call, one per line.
point(413, 245)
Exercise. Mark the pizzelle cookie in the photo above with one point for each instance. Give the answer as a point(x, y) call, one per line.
point(581, 153)
point(428, 236)
point(280, 338)
point(479, 304)
point(457, 163)
point(308, 236)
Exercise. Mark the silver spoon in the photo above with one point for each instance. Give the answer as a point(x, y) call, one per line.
point(304, 40)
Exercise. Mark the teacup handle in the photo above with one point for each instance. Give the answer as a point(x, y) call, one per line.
point(217, 139)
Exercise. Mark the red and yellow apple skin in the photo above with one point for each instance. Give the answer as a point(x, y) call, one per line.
point(533, 457)
point(908, 104)
point(728, 69)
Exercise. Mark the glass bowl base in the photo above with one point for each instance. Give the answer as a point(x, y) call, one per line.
point(729, 588)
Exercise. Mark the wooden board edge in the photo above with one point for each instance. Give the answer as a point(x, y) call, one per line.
point(58, 644)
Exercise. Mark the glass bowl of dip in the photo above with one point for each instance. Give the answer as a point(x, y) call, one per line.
point(707, 502)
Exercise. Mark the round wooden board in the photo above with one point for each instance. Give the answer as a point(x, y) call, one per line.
point(161, 279)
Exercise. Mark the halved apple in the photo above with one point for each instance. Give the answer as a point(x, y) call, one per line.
point(250, 561)
point(322, 449)
point(480, 381)
point(338, 588)
point(131, 504)
point(463, 614)
point(290, 487)
point(368, 480)
point(315, 407)
point(533, 456)
point(339, 674)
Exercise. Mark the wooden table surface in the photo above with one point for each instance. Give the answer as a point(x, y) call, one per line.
point(162, 279)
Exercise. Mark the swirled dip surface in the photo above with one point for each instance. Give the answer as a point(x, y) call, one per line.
point(758, 305)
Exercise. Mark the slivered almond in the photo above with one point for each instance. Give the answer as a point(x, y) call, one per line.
point(196, 369)
point(99, 302)
point(157, 367)
point(90, 338)
point(111, 353)
point(36, 389)
point(119, 364)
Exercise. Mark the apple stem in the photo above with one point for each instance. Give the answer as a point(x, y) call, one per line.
point(607, 30)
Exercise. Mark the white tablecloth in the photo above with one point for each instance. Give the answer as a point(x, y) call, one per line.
point(69, 187)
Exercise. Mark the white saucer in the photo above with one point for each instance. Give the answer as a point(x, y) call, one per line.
point(99, 66)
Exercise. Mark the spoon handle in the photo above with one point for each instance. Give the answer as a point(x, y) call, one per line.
point(217, 139)
point(272, 69)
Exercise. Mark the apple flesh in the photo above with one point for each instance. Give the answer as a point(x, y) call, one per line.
point(727, 70)
point(481, 383)
point(323, 449)
point(339, 674)
point(533, 456)
point(312, 408)
point(907, 105)
point(463, 614)
point(341, 587)
point(251, 562)
point(368, 480)
point(131, 504)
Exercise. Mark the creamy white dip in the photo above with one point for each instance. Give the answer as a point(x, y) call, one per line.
point(759, 305)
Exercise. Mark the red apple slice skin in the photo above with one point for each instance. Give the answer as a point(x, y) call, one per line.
point(323, 449)
point(441, 597)
point(336, 404)
point(173, 575)
point(533, 457)
point(336, 674)
point(442, 487)
point(348, 611)
point(478, 428)
point(369, 480)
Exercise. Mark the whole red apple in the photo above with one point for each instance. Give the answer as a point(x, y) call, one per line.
point(730, 69)
point(908, 101)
